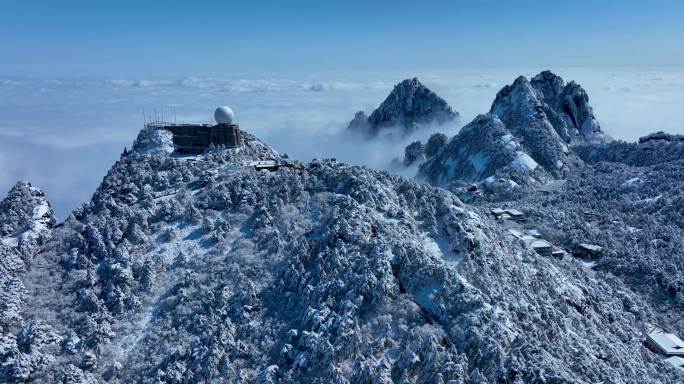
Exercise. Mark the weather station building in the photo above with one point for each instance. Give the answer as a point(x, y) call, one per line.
point(196, 138)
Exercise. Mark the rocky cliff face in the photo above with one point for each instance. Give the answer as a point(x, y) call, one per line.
point(409, 106)
point(531, 107)
point(574, 118)
point(202, 268)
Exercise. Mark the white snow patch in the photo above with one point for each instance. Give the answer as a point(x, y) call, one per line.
point(439, 248)
point(10, 241)
point(635, 182)
point(425, 297)
point(524, 161)
point(508, 142)
point(40, 211)
point(432, 247)
point(651, 199)
point(565, 149)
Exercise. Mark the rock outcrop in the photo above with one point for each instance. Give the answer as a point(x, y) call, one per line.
point(26, 217)
point(570, 103)
point(409, 106)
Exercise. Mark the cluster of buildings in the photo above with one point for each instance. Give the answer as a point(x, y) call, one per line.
point(532, 239)
point(507, 214)
point(267, 165)
point(667, 344)
point(588, 251)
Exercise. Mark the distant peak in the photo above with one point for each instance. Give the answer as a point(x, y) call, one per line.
point(409, 106)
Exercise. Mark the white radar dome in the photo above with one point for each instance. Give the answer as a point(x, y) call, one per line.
point(224, 115)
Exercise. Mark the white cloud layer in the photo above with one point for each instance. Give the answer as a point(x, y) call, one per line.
point(63, 134)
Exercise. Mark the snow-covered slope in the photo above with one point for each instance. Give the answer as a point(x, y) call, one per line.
point(409, 106)
point(202, 269)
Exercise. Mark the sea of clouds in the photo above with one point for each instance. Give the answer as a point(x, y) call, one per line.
point(62, 135)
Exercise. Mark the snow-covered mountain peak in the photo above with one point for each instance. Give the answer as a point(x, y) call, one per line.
point(520, 94)
point(565, 107)
point(410, 106)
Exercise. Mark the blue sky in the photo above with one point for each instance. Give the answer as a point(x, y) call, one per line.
point(75, 38)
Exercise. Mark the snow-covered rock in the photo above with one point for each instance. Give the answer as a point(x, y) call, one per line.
point(522, 112)
point(151, 140)
point(409, 106)
point(484, 148)
point(26, 218)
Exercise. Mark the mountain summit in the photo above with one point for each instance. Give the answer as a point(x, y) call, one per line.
point(409, 106)
point(547, 101)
